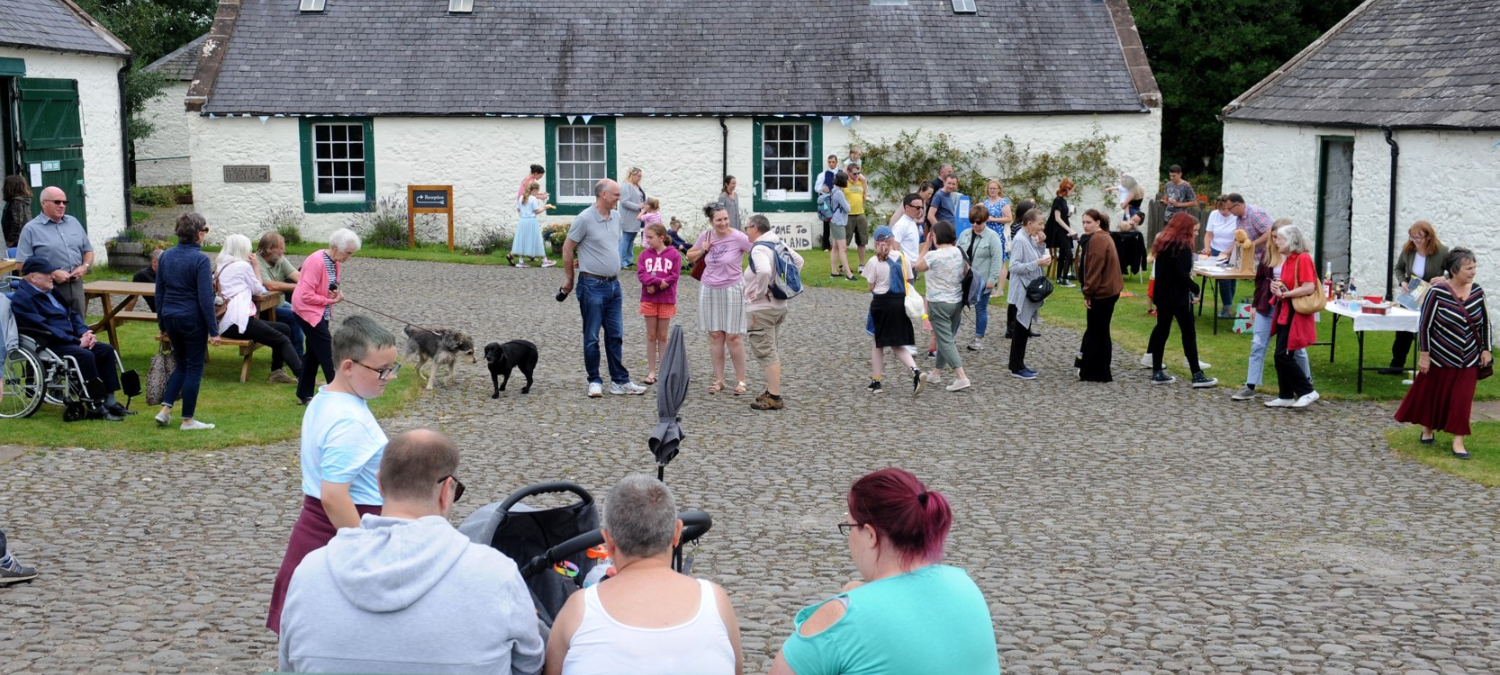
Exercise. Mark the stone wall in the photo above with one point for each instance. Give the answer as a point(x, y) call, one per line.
point(162, 157)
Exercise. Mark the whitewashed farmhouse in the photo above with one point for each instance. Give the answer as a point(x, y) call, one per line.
point(161, 158)
point(60, 110)
point(335, 104)
point(1392, 116)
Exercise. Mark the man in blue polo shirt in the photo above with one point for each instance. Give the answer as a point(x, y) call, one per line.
point(61, 239)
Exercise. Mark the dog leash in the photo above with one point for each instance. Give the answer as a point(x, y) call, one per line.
point(400, 321)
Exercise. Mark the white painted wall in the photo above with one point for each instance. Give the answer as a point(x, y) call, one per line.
point(1447, 178)
point(99, 109)
point(162, 157)
point(681, 160)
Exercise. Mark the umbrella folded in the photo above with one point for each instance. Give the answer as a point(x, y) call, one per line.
point(671, 391)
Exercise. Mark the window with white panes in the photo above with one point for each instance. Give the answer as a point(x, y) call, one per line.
point(786, 157)
point(582, 152)
point(339, 162)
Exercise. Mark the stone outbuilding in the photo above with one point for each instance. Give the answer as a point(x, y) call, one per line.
point(161, 158)
point(331, 105)
point(60, 110)
point(1391, 117)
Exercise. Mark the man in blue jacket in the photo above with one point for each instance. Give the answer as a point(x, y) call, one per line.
point(37, 308)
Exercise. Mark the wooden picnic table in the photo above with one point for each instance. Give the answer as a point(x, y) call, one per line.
point(7, 265)
point(116, 314)
point(1205, 270)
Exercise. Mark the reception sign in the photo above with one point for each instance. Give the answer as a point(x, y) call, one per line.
point(428, 199)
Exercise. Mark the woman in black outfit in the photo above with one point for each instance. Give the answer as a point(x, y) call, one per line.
point(1060, 234)
point(1174, 285)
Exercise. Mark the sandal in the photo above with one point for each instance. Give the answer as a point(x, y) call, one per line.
point(650, 379)
point(716, 387)
point(740, 388)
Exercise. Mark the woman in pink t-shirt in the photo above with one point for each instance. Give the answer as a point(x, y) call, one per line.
point(721, 301)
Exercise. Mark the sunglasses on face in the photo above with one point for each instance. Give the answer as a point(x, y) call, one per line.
point(63, 202)
point(458, 487)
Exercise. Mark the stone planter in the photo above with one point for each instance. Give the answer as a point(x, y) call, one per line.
point(129, 256)
point(185, 199)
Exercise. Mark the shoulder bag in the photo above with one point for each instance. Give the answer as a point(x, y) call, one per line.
point(1038, 289)
point(1306, 304)
point(967, 285)
point(702, 264)
point(916, 310)
point(221, 303)
point(1485, 369)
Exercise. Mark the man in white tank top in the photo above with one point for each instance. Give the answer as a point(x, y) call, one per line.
point(647, 618)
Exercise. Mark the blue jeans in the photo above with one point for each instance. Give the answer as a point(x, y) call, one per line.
point(981, 315)
point(1226, 291)
point(190, 351)
point(1260, 340)
point(284, 314)
point(599, 302)
point(627, 249)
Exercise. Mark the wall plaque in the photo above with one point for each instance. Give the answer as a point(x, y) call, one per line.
point(250, 173)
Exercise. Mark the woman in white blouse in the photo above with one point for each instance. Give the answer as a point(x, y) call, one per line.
point(1218, 240)
point(239, 283)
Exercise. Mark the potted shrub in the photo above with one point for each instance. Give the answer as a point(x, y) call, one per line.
point(130, 251)
point(555, 234)
point(183, 194)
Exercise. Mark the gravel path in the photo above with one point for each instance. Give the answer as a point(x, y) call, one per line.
point(1113, 528)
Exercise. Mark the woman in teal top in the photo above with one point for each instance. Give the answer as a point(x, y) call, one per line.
point(910, 615)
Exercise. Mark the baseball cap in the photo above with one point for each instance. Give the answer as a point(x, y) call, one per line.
point(37, 264)
point(883, 232)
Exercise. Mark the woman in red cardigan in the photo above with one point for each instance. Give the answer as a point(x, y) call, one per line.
point(317, 292)
point(1293, 331)
point(1453, 342)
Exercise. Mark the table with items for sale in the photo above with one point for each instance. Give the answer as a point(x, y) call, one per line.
point(1396, 319)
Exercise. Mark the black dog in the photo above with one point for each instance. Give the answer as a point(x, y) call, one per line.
point(502, 358)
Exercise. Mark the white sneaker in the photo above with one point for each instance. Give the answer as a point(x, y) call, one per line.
point(163, 418)
point(595, 390)
point(958, 384)
point(548, 262)
point(977, 345)
point(912, 349)
point(1280, 403)
point(195, 425)
point(1146, 360)
point(1202, 365)
point(1306, 400)
point(628, 388)
point(934, 376)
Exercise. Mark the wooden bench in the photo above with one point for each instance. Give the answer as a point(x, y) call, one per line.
point(247, 351)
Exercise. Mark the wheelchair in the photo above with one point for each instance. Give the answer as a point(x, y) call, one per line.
point(34, 374)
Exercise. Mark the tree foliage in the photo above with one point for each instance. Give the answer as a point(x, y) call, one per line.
point(1207, 52)
point(152, 29)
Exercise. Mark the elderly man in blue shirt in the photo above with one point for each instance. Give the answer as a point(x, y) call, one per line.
point(61, 239)
point(37, 308)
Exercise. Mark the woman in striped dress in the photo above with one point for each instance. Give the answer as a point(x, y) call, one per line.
point(1453, 342)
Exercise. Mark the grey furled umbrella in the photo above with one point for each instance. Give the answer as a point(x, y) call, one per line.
point(671, 391)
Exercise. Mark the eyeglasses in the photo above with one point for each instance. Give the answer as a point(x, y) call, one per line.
point(64, 202)
point(917, 206)
point(845, 528)
point(458, 486)
point(384, 373)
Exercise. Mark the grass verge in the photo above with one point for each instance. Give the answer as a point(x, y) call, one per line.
point(253, 413)
point(1484, 445)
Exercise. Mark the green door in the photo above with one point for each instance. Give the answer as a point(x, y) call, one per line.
point(52, 136)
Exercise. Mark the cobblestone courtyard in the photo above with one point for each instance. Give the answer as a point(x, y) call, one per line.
point(1113, 528)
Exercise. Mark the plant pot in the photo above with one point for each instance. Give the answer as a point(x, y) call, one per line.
point(185, 199)
point(129, 256)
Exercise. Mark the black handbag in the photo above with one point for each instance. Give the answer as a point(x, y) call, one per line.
point(967, 284)
point(1039, 289)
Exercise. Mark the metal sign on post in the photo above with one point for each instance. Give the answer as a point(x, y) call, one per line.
point(428, 199)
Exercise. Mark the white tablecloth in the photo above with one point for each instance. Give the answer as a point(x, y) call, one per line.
point(1397, 318)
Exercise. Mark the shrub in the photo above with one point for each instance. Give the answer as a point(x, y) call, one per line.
point(155, 197)
point(182, 190)
point(489, 240)
point(555, 234)
point(384, 225)
point(285, 221)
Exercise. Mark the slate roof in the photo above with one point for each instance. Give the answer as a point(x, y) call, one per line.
point(55, 25)
point(1396, 63)
point(634, 57)
point(182, 63)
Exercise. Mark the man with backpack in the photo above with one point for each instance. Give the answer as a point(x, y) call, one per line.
point(774, 275)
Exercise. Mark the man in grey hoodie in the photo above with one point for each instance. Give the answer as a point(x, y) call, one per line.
point(405, 592)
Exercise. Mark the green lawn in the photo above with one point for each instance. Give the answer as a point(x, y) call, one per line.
point(253, 413)
point(428, 252)
point(1228, 352)
point(1484, 445)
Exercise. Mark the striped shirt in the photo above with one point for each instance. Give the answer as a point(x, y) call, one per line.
point(1453, 332)
point(333, 280)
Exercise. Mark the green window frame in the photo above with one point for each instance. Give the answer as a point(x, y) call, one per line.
point(779, 160)
point(575, 149)
point(335, 169)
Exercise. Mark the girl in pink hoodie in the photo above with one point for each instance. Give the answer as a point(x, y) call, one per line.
point(658, 267)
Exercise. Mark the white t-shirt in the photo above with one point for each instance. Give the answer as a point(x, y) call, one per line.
point(1419, 266)
point(907, 235)
point(1222, 228)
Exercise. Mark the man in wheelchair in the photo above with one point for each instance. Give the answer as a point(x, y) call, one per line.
point(42, 315)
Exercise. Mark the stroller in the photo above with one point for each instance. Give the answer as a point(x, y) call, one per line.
point(550, 546)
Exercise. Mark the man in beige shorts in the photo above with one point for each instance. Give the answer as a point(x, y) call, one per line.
point(765, 313)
